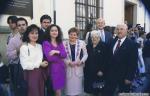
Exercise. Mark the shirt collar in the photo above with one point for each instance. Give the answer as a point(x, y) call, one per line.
point(43, 29)
point(122, 40)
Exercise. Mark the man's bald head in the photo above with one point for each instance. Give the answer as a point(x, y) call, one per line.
point(121, 30)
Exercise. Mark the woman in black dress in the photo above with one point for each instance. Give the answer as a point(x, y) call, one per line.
point(94, 70)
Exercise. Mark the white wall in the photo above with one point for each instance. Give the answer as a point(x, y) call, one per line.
point(147, 29)
point(40, 7)
point(65, 15)
point(140, 14)
point(113, 12)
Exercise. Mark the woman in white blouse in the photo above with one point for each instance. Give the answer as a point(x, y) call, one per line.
point(76, 56)
point(31, 57)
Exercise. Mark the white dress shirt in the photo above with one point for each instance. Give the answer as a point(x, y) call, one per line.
point(31, 56)
point(102, 35)
point(122, 40)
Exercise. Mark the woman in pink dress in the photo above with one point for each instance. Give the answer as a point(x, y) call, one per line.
point(55, 53)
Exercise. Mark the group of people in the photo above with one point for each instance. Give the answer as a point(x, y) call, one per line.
point(97, 66)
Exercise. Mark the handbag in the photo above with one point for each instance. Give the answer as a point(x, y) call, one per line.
point(98, 84)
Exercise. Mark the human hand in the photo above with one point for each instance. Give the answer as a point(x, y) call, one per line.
point(127, 82)
point(100, 73)
point(72, 64)
point(44, 64)
point(52, 52)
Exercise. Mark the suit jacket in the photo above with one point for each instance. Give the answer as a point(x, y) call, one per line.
point(108, 37)
point(80, 45)
point(96, 60)
point(123, 63)
point(41, 36)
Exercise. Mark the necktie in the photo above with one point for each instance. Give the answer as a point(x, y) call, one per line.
point(118, 45)
point(102, 36)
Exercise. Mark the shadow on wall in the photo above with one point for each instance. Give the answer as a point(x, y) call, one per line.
point(3, 39)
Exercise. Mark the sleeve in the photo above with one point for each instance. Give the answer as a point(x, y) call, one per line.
point(85, 54)
point(86, 38)
point(63, 53)
point(11, 52)
point(25, 60)
point(132, 63)
point(39, 57)
point(46, 50)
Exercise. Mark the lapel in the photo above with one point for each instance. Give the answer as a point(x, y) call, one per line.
point(122, 47)
point(68, 49)
point(113, 44)
point(105, 34)
point(77, 49)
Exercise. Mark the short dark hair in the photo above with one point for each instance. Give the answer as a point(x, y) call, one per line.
point(22, 19)
point(29, 29)
point(45, 17)
point(73, 29)
point(12, 18)
point(58, 38)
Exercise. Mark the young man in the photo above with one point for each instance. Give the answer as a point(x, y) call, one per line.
point(13, 48)
point(11, 21)
point(45, 21)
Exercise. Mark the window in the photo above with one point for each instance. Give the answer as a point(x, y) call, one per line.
point(87, 11)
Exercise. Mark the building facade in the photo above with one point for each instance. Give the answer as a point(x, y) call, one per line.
point(79, 13)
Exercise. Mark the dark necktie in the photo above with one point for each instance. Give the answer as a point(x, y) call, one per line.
point(118, 45)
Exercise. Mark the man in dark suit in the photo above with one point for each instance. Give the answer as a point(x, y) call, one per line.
point(105, 36)
point(45, 21)
point(122, 63)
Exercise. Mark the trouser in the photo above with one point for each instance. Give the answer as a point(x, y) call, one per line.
point(16, 77)
point(111, 86)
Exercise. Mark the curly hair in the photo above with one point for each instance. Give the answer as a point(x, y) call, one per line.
point(30, 29)
point(58, 38)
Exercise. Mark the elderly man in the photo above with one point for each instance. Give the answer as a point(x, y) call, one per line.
point(104, 35)
point(122, 62)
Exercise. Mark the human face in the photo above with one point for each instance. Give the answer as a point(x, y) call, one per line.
point(45, 23)
point(22, 26)
point(73, 36)
point(100, 23)
point(54, 32)
point(33, 36)
point(12, 25)
point(121, 31)
point(95, 39)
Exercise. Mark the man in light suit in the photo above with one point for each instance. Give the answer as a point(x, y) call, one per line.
point(122, 63)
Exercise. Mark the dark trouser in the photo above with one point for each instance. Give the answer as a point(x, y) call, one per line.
point(49, 88)
point(16, 78)
point(48, 83)
point(111, 86)
point(13, 78)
